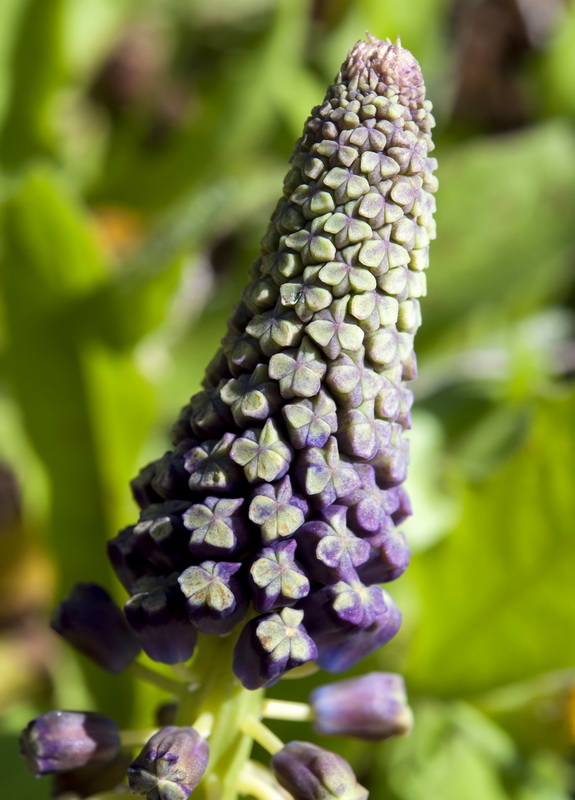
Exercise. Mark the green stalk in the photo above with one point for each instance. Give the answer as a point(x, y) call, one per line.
point(220, 694)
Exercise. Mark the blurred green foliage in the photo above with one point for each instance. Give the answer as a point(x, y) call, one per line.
point(142, 146)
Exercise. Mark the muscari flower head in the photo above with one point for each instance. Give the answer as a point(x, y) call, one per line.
point(273, 519)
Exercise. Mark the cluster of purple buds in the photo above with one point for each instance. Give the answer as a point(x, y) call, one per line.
point(273, 521)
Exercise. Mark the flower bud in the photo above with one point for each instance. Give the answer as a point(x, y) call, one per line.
point(64, 740)
point(91, 622)
point(309, 772)
point(171, 764)
point(157, 613)
point(373, 706)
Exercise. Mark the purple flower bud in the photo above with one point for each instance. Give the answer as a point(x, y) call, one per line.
point(329, 550)
point(161, 535)
point(218, 527)
point(277, 511)
point(276, 578)
point(171, 478)
point(157, 613)
point(366, 504)
point(127, 559)
point(343, 655)
point(389, 556)
point(170, 766)
point(215, 596)
point(270, 645)
point(92, 623)
point(64, 740)
point(373, 706)
point(210, 468)
point(309, 772)
point(143, 491)
point(339, 611)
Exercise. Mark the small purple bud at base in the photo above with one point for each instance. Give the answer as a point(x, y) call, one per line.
point(92, 623)
point(170, 766)
point(373, 707)
point(309, 772)
point(64, 740)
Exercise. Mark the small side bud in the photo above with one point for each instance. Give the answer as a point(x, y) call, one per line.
point(170, 766)
point(373, 706)
point(64, 740)
point(92, 623)
point(309, 772)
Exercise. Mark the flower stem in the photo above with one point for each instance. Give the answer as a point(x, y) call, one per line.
point(149, 675)
point(287, 710)
point(261, 734)
point(222, 704)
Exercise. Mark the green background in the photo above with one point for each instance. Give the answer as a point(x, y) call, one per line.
point(142, 148)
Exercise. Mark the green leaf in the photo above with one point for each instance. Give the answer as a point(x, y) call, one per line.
point(47, 259)
point(496, 596)
point(37, 69)
point(505, 240)
point(453, 753)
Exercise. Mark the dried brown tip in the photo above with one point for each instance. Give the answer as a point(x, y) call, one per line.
point(391, 63)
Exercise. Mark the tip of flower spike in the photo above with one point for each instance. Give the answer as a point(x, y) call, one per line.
point(390, 63)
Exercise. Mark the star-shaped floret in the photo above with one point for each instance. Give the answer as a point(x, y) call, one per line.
point(409, 151)
point(324, 475)
point(261, 294)
point(351, 381)
point(208, 415)
point(391, 460)
point(345, 278)
point(251, 396)
point(406, 192)
point(310, 244)
point(299, 372)
point(365, 138)
point(314, 203)
point(395, 282)
point(242, 351)
point(277, 511)
point(389, 555)
point(382, 253)
point(378, 166)
point(378, 207)
point(404, 232)
point(160, 536)
point(276, 578)
point(338, 153)
point(332, 333)
point(282, 264)
point(215, 597)
point(368, 505)
point(342, 609)
point(271, 645)
point(262, 453)
point(382, 347)
point(305, 295)
point(347, 185)
point(210, 467)
point(276, 329)
point(388, 400)
point(328, 549)
point(357, 431)
point(217, 526)
point(346, 228)
point(310, 422)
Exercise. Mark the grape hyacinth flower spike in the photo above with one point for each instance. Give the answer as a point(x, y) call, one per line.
point(265, 532)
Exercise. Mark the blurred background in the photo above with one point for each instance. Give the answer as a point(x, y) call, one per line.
point(142, 148)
